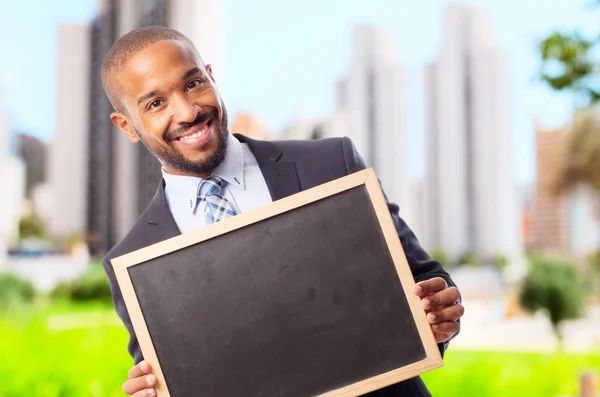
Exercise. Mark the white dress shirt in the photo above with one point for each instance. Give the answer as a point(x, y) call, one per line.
point(245, 187)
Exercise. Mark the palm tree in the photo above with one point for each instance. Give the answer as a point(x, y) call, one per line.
point(568, 65)
point(581, 165)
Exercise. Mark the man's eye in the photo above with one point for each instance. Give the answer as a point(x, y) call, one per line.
point(193, 84)
point(154, 104)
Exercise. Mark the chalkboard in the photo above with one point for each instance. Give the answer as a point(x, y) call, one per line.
point(307, 296)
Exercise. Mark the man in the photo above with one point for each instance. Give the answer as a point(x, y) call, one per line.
point(165, 97)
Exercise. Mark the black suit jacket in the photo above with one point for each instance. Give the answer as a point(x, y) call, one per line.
point(288, 167)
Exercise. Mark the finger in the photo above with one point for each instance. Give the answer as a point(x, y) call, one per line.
point(447, 327)
point(430, 286)
point(145, 393)
point(444, 298)
point(141, 369)
point(451, 313)
point(442, 337)
point(136, 385)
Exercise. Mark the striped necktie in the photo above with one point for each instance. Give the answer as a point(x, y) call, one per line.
point(216, 206)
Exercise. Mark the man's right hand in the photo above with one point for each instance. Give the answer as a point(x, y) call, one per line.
point(140, 382)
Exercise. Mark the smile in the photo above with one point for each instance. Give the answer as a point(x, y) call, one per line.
point(197, 136)
point(194, 133)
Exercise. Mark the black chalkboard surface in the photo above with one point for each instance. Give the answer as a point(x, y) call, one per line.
point(304, 297)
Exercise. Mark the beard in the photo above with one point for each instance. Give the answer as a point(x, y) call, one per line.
point(175, 159)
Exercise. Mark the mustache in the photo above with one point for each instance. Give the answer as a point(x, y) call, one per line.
point(201, 118)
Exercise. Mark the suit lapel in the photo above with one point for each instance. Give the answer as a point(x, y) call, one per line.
point(161, 222)
point(281, 176)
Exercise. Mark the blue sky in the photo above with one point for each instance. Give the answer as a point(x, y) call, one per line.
point(281, 56)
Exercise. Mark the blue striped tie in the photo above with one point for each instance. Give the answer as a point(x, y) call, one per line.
point(217, 207)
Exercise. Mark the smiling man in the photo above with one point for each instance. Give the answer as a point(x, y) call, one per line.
point(165, 96)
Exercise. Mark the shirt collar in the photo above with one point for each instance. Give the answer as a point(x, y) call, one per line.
point(181, 189)
point(232, 167)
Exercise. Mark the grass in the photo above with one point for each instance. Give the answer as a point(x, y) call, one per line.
point(69, 351)
point(507, 374)
point(80, 351)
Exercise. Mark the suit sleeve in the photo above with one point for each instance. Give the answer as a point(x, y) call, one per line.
point(421, 265)
point(133, 346)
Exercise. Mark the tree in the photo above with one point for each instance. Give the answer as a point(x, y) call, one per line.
point(582, 163)
point(31, 227)
point(15, 291)
point(469, 258)
point(594, 270)
point(556, 288)
point(439, 255)
point(500, 261)
point(569, 63)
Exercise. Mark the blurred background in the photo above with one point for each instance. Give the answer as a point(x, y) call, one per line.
point(479, 117)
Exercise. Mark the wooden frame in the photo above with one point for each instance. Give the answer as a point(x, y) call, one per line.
point(369, 180)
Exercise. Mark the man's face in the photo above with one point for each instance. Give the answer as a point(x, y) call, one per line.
point(172, 105)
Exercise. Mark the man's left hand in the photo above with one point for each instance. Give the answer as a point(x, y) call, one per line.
point(442, 307)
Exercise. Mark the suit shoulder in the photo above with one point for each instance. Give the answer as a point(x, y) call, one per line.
point(317, 161)
point(320, 145)
point(328, 151)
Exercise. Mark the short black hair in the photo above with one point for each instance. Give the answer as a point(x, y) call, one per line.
point(127, 47)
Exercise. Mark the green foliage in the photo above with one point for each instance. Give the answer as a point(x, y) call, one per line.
point(31, 227)
point(594, 272)
point(15, 291)
point(440, 256)
point(555, 287)
point(469, 259)
point(567, 65)
point(594, 260)
point(500, 261)
point(92, 286)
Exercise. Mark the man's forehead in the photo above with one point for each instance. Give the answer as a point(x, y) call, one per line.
point(158, 63)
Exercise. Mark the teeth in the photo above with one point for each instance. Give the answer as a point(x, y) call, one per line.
point(196, 135)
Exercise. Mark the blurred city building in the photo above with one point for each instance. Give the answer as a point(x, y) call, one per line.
point(527, 201)
point(470, 192)
point(562, 223)
point(33, 152)
point(370, 109)
point(67, 162)
point(584, 222)
point(12, 172)
point(373, 96)
point(249, 125)
point(303, 126)
point(550, 220)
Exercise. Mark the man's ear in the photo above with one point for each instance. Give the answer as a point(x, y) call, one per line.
point(122, 122)
point(210, 72)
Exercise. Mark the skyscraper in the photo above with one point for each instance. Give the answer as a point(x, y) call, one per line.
point(550, 220)
point(101, 161)
point(33, 151)
point(12, 172)
point(68, 150)
point(202, 22)
point(373, 98)
point(470, 192)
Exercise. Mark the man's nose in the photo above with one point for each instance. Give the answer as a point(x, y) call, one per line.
point(185, 111)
